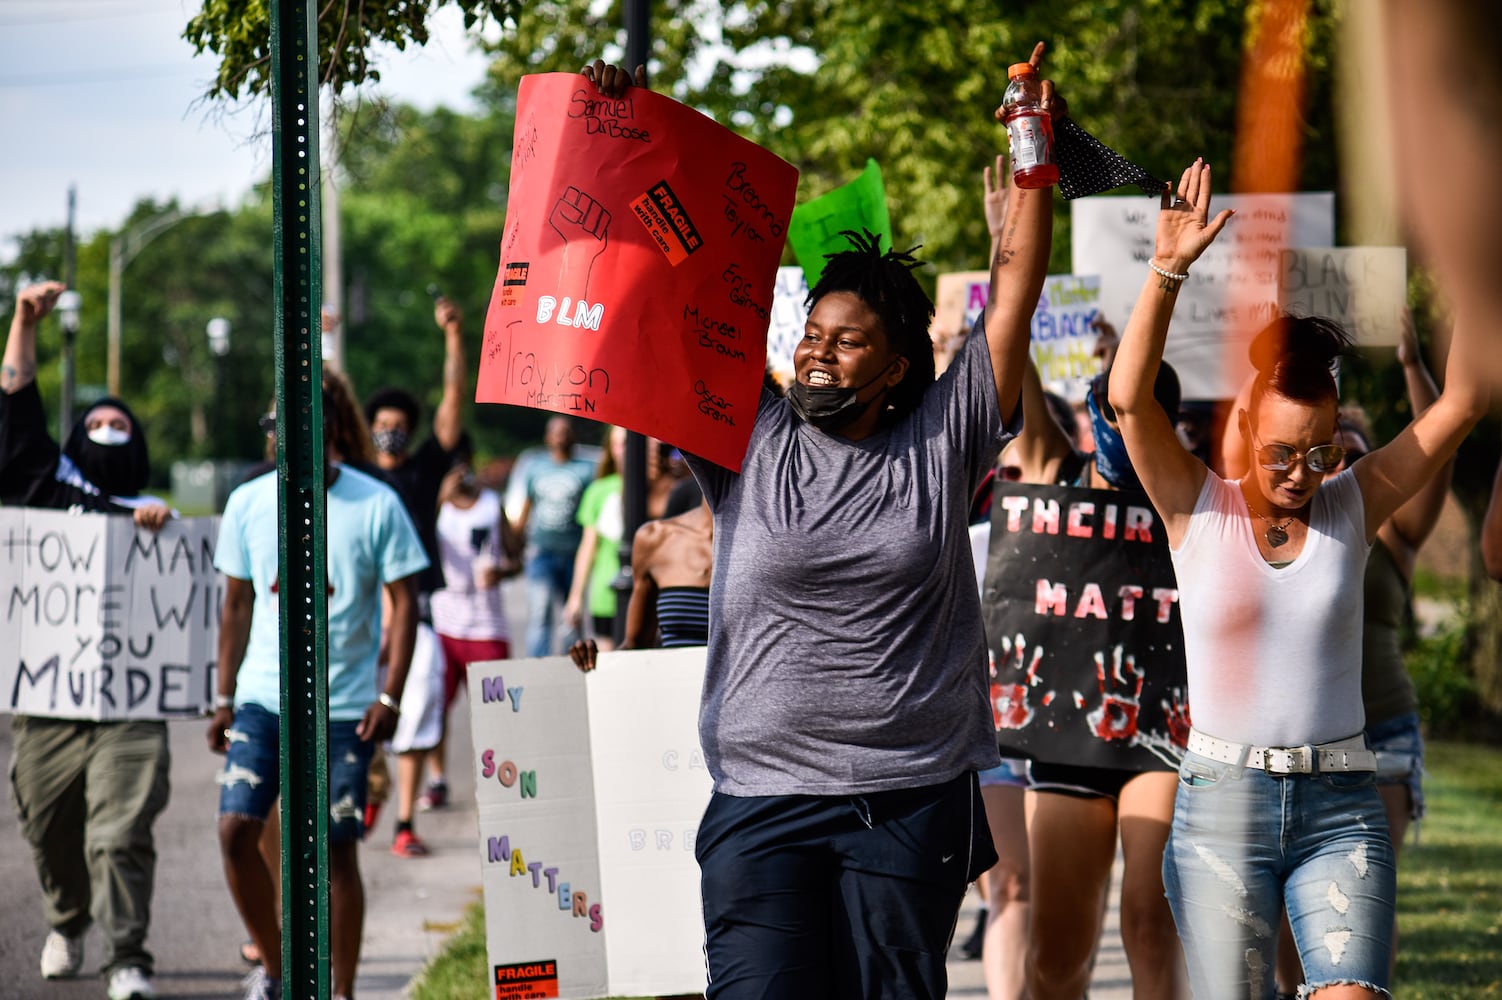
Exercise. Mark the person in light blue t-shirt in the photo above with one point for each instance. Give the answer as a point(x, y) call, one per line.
point(372, 547)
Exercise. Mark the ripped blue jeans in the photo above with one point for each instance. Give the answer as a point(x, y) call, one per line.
point(251, 779)
point(1246, 843)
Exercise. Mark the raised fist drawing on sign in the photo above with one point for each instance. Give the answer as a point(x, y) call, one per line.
point(584, 226)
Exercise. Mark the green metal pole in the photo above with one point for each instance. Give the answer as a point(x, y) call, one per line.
point(303, 572)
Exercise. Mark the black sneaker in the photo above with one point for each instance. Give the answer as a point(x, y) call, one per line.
point(971, 949)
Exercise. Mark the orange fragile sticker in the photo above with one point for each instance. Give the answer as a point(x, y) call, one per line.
point(526, 980)
point(637, 266)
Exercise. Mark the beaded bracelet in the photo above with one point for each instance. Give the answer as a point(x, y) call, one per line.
point(1168, 274)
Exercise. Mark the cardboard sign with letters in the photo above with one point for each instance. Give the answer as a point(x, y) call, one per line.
point(103, 620)
point(590, 790)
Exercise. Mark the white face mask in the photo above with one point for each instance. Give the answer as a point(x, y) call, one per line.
point(109, 436)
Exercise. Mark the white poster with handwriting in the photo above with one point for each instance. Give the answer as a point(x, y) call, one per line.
point(590, 789)
point(1232, 290)
point(1363, 288)
point(789, 314)
point(106, 621)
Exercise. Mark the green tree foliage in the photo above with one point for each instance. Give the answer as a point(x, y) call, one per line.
point(239, 32)
point(423, 205)
point(826, 84)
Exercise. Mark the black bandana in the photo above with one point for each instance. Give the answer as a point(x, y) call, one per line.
point(118, 470)
point(1088, 166)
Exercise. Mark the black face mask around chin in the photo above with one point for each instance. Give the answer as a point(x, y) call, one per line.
point(830, 408)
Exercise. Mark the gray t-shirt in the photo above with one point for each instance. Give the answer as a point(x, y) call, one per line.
point(846, 652)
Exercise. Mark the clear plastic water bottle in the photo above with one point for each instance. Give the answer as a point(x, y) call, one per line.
point(1029, 129)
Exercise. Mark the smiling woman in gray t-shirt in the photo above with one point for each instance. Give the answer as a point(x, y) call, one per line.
point(845, 704)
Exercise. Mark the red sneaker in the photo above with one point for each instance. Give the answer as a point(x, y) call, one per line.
point(372, 811)
point(408, 845)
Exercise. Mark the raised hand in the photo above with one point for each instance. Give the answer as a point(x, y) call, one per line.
point(585, 653)
point(1185, 228)
point(612, 80)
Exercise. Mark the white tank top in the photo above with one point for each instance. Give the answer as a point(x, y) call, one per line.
point(460, 609)
point(1274, 655)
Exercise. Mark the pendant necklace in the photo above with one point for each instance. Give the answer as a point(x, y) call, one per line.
point(1275, 534)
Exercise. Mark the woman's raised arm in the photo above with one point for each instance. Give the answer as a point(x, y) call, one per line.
point(1171, 476)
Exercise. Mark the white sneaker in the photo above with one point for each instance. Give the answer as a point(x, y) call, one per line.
point(130, 983)
point(259, 986)
point(62, 956)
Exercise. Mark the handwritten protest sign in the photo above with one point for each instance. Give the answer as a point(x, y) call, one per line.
point(1063, 337)
point(789, 314)
point(1087, 642)
point(1232, 290)
point(1362, 288)
point(105, 621)
point(590, 790)
point(959, 297)
point(637, 266)
point(818, 222)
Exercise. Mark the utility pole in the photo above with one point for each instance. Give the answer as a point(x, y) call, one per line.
point(123, 250)
point(333, 257)
point(69, 321)
point(634, 480)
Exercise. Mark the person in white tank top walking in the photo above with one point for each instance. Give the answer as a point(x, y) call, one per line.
point(1277, 804)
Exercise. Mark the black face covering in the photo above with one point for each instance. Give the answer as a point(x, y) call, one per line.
point(119, 470)
point(830, 408)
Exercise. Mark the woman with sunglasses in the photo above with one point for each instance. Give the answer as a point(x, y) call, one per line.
point(1387, 693)
point(1277, 804)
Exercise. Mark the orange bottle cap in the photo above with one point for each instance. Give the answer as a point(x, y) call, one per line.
point(1020, 69)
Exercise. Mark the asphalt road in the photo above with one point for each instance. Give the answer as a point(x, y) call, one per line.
point(412, 904)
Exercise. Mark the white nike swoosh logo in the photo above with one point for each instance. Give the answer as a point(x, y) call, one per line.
point(946, 859)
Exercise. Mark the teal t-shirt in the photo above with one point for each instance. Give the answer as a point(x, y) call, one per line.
point(371, 542)
point(555, 489)
point(600, 508)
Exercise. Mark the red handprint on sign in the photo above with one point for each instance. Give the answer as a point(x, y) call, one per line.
point(1010, 705)
point(1176, 713)
point(1116, 716)
point(584, 226)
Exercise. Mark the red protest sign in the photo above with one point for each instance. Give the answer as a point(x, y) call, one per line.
point(637, 266)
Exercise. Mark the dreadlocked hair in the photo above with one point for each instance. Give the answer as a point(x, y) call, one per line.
point(1293, 356)
point(885, 283)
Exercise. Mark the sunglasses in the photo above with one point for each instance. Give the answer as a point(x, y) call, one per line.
point(1281, 457)
point(267, 423)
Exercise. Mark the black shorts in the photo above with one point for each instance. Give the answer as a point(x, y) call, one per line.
point(1080, 782)
point(835, 896)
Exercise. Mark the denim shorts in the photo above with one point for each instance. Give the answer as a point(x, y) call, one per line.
point(1400, 757)
point(1010, 773)
point(251, 779)
point(1246, 844)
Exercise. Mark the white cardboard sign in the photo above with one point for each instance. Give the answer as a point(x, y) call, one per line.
point(590, 789)
point(105, 621)
point(1362, 288)
point(789, 314)
point(1232, 290)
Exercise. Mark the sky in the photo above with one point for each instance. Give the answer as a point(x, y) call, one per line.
point(105, 95)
